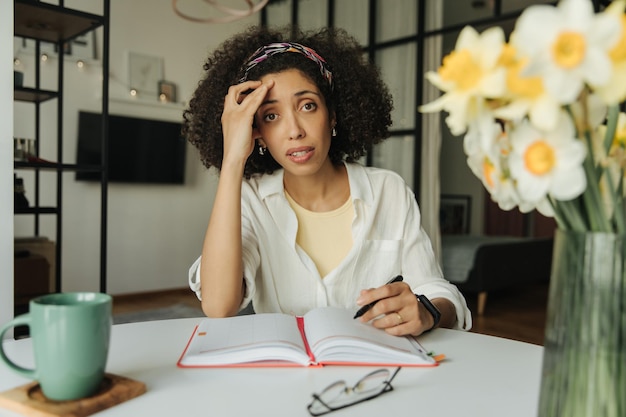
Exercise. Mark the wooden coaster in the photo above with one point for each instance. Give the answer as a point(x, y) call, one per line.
point(29, 399)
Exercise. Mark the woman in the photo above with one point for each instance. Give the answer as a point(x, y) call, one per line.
point(296, 223)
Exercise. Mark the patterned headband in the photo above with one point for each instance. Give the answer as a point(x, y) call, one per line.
point(267, 51)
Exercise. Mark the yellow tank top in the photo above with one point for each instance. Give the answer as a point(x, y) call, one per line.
point(325, 236)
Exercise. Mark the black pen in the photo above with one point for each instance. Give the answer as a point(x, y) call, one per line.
point(366, 307)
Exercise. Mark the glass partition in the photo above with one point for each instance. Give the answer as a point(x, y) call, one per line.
point(353, 16)
point(312, 14)
point(279, 13)
point(397, 154)
point(397, 66)
point(395, 19)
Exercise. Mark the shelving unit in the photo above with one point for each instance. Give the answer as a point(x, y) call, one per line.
point(57, 24)
point(33, 95)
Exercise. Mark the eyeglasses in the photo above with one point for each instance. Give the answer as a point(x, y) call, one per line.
point(339, 395)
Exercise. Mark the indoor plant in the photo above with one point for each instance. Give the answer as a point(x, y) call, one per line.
point(543, 130)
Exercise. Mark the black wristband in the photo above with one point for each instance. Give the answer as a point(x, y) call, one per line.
point(431, 309)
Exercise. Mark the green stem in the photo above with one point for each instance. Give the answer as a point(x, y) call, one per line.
point(615, 191)
point(559, 216)
point(611, 126)
point(617, 200)
point(592, 197)
point(619, 206)
point(569, 215)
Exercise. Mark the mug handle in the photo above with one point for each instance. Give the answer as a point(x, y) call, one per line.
point(23, 320)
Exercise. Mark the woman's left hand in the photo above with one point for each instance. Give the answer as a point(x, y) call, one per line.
point(397, 311)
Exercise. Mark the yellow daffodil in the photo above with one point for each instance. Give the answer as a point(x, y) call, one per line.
point(468, 76)
point(525, 96)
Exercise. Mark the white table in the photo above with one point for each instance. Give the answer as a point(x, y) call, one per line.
point(482, 376)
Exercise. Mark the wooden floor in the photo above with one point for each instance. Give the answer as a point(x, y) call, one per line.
point(518, 314)
point(153, 300)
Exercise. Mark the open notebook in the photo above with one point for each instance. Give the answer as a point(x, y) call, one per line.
point(324, 336)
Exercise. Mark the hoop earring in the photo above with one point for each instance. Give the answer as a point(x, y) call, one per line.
point(262, 150)
point(334, 132)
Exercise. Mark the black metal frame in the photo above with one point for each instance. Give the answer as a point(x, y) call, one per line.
point(385, 386)
point(37, 96)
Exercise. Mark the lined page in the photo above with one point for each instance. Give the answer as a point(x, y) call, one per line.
point(335, 336)
point(248, 338)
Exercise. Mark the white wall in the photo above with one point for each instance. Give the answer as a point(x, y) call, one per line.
point(6, 163)
point(154, 232)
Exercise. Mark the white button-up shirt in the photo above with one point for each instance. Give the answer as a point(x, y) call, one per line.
point(388, 240)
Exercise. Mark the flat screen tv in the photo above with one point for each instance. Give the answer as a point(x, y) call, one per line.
point(140, 150)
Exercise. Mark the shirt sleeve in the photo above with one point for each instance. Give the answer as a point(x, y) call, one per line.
point(194, 277)
point(195, 283)
point(422, 270)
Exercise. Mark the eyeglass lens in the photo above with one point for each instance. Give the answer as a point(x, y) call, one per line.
point(339, 394)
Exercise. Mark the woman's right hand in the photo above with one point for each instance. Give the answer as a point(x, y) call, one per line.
point(240, 105)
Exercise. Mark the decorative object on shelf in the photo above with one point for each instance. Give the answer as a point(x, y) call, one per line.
point(543, 131)
point(84, 47)
point(23, 149)
point(167, 92)
point(18, 78)
point(81, 48)
point(20, 201)
point(145, 72)
point(229, 14)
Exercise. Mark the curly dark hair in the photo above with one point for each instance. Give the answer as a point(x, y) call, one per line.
point(360, 99)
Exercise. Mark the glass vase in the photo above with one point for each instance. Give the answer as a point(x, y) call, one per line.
point(585, 350)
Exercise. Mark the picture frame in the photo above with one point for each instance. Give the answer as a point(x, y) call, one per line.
point(454, 214)
point(145, 72)
point(167, 91)
point(84, 46)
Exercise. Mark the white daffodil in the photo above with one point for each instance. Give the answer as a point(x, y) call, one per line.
point(525, 96)
point(544, 207)
point(468, 76)
point(567, 45)
point(533, 111)
point(614, 91)
point(486, 147)
point(547, 163)
point(506, 196)
point(483, 158)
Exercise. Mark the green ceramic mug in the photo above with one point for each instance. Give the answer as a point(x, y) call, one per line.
point(70, 336)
